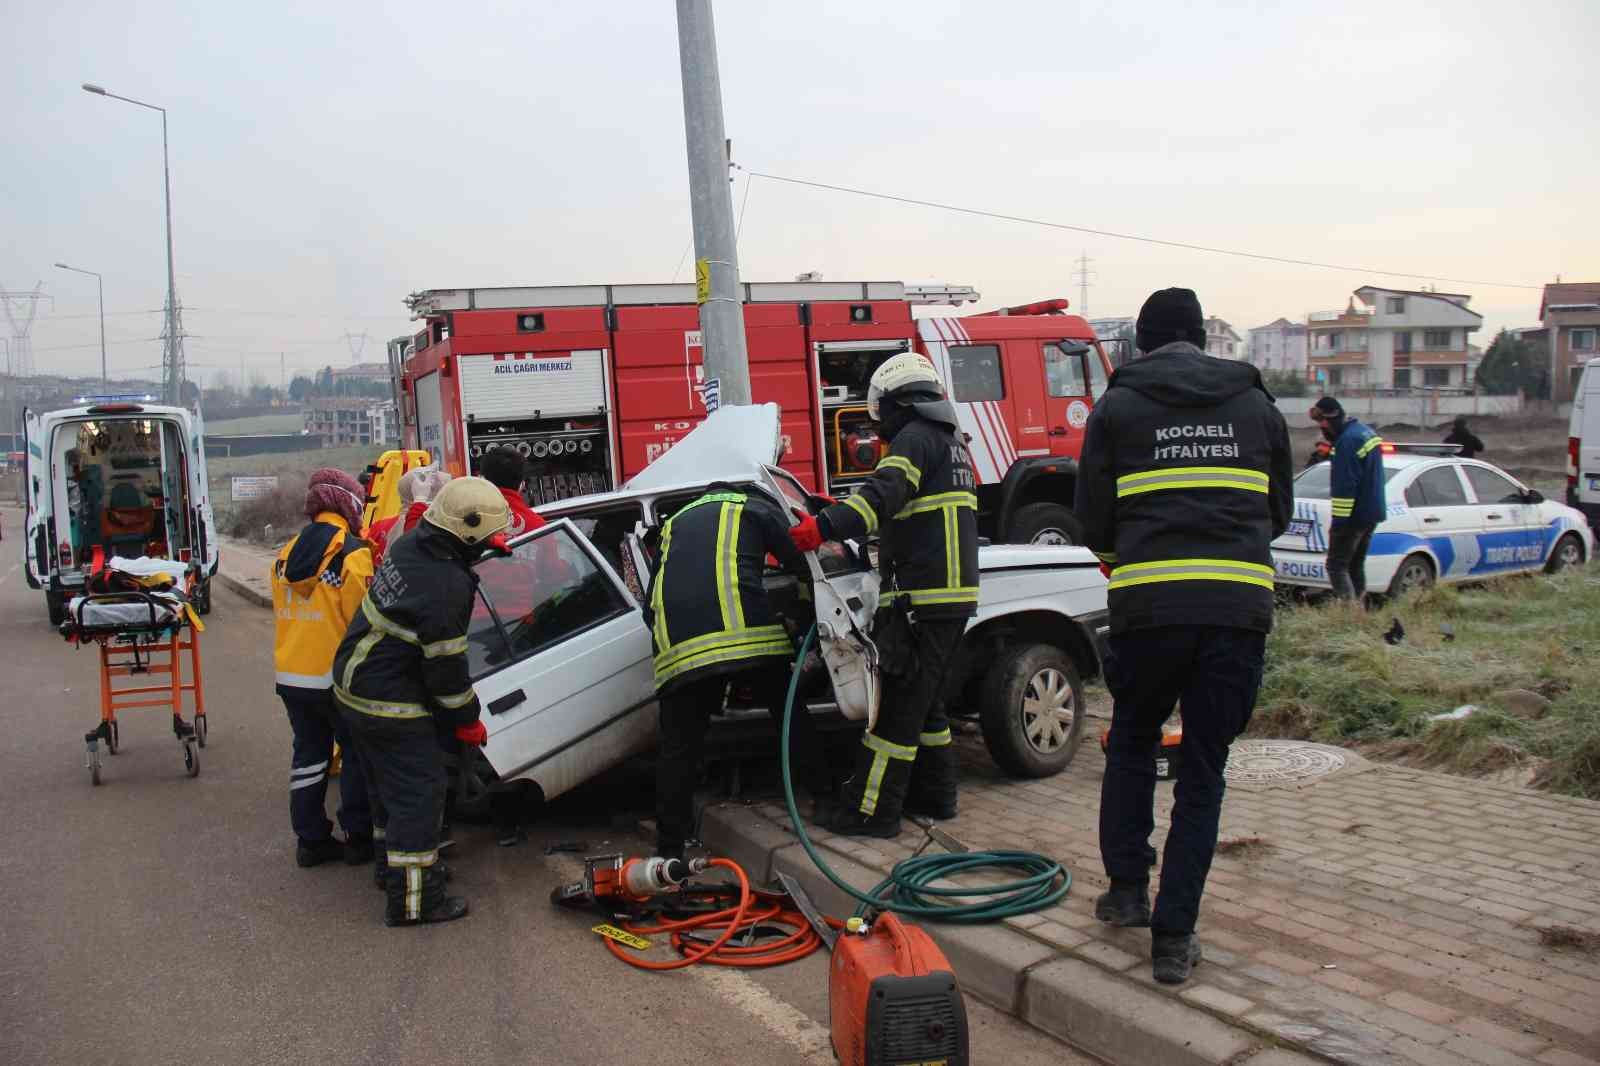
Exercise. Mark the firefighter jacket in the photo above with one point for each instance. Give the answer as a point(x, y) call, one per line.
point(405, 655)
point(1358, 493)
point(1184, 481)
point(318, 581)
point(708, 612)
point(923, 498)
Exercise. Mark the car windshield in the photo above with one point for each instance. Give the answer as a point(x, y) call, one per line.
point(1315, 482)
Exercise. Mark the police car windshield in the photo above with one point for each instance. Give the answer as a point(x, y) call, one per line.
point(1314, 483)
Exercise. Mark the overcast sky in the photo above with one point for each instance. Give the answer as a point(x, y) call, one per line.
point(329, 158)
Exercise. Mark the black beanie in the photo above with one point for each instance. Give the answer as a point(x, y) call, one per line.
point(1167, 316)
point(1328, 408)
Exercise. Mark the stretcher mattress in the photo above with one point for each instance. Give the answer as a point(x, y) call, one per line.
point(156, 611)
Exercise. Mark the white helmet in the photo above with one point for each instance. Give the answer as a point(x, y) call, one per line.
point(470, 509)
point(907, 368)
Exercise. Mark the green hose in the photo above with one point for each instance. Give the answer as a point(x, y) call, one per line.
point(909, 888)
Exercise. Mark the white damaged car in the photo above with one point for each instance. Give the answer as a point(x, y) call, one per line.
point(1450, 519)
point(561, 657)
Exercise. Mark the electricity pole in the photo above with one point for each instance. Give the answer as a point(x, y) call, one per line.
point(1082, 276)
point(100, 288)
point(711, 201)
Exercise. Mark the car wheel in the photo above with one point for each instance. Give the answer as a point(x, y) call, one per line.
point(1568, 553)
point(1044, 523)
point(1031, 710)
point(1415, 574)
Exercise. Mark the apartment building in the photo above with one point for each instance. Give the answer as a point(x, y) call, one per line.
point(342, 422)
point(1393, 339)
point(1569, 331)
point(1223, 341)
point(1279, 345)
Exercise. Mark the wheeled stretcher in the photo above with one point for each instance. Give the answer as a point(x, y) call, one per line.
point(141, 634)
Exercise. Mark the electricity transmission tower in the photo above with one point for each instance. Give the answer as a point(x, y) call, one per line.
point(1083, 276)
point(358, 344)
point(174, 372)
point(21, 307)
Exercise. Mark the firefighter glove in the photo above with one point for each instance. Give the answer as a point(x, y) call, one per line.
point(807, 536)
point(476, 734)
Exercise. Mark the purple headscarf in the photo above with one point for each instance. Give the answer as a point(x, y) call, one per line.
point(334, 490)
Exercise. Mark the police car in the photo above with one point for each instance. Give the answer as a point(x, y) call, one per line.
point(1450, 519)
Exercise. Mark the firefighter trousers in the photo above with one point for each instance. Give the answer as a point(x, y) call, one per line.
point(686, 712)
point(406, 779)
point(911, 717)
point(316, 724)
point(1216, 672)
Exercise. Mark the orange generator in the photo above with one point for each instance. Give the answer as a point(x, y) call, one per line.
point(893, 999)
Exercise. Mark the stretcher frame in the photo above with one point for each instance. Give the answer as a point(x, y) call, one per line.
point(157, 648)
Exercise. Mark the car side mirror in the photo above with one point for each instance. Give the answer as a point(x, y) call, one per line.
point(1071, 347)
point(1533, 496)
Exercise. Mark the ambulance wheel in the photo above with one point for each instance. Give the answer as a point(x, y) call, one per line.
point(1044, 523)
point(1567, 554)
point(191, 760)
point(1031, 710)
point(55, 604)
point(200, 729)
point(201, 600)
point(1414, 575)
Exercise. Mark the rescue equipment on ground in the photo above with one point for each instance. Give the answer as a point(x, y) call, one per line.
point(1168, 755)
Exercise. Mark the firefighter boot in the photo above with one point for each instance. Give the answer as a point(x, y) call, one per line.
point(933, 783)
point(1172, 957)
point(874, 796)
point(416, 897)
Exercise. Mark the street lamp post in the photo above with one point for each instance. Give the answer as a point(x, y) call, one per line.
point(174, 367)
point(101, 286)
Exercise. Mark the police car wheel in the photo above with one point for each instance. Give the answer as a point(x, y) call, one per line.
point(1568, 553)
point(1031, 710)
point(1414, 575)
point(1044, 523)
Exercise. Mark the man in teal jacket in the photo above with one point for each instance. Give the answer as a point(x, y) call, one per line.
point(1359, 503)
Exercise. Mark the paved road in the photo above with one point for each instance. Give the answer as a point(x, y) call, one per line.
point(161, 919)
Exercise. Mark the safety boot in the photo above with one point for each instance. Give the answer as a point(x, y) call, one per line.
point(358, 849)
point(1125, 905)
point(872, 799)
point(316, 852)
point(1173, 956)
point(416, 897)
point(933, 791)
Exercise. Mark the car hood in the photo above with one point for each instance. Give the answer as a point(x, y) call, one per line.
point(733, 444)
point(1026, 556)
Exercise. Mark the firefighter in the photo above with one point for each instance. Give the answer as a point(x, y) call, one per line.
point(401, 674)
point(712, 623)
point(318, 581)
point(922, 495)
point(1357, 496)
point(1184, 480)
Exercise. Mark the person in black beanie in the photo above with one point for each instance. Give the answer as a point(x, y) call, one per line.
point(1184, 480)
point(1356, 496)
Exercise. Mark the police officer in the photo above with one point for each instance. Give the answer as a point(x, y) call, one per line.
point(711, 621)
point(1183, 482)
point(922, 496)
point(1358, 497)
point(403, 662)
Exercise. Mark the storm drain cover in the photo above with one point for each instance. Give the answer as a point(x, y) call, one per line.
point(1280, 762)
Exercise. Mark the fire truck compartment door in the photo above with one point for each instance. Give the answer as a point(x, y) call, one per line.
point(430, 416)
point(561, 661)
point(515, 385)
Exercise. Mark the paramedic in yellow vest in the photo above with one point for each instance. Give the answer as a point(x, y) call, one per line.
point(318, 581)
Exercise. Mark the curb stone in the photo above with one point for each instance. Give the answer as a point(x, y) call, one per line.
point(243, 590)
point(1090, 1007)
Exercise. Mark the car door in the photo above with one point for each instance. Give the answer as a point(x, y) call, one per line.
point(1446, 518)
point(1068, 396)
point(1512, 538)
point(202, 518)
point(561, 659)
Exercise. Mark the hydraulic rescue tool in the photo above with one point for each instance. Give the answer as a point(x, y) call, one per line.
point(610, 880)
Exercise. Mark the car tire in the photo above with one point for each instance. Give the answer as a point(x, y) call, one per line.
point(1414, 574)
point(1036, 740)
point(1568, 552)
point(1044, 523)
point(55, 604)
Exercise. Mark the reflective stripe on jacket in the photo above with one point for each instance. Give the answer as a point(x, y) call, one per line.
point(318, 580)
point(708, 610)
point(1357, 490)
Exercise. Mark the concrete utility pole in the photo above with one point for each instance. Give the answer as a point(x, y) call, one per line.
point(716, 259)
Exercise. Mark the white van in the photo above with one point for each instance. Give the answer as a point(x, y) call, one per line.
point(1583, 446)
point(120, 475)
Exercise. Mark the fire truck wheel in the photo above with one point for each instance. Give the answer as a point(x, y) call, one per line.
point(1044, 523)
point(1031, 710)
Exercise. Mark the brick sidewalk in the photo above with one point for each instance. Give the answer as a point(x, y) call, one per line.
point(1390, 916)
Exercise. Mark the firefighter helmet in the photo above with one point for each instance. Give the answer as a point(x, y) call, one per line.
point(910, 371)
point(470, 509)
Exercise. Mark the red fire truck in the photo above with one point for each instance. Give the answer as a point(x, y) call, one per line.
point(592, 382)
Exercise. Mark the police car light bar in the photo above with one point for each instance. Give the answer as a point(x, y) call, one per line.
point(127, 397)
point(1421, 449)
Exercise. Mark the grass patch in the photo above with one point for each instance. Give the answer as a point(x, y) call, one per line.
point(274, 518)
point(288, 422)
point(1331, 677)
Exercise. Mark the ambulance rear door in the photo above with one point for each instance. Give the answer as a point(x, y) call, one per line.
point(37, 499)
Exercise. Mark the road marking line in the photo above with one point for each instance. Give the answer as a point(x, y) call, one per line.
point(785, 1021)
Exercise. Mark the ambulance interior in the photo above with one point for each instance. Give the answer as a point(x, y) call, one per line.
point(122, 486)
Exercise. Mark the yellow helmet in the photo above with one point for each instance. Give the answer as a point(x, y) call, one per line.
point(470, 509)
